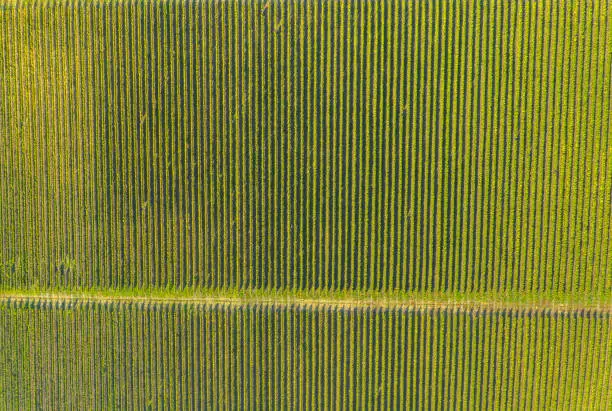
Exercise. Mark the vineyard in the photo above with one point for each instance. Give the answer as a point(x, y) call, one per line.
point(302, 356)
point(305, 204)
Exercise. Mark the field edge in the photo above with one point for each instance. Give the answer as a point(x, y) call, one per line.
point(343, 298)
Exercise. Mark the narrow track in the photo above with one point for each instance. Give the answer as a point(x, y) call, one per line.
point(303, 299)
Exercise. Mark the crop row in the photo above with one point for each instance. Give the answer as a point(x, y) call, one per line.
point(448, 145)
point(137, 355)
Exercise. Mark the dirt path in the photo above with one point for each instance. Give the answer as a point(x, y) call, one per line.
point(339, 302)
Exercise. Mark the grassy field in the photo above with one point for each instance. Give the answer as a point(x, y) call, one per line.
point(311, 204)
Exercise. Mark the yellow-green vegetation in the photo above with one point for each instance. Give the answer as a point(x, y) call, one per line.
point(391, 204)
point(254, 356)
point(439, 146)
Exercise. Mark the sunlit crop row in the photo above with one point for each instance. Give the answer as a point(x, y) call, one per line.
point(451, 145)
point(134, 355)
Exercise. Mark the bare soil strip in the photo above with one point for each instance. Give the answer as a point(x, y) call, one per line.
point(331, 300)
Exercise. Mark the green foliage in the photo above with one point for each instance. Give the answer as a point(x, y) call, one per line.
point(13, 271)
point(190, 355)
point(422, 146)
point(305, 204)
